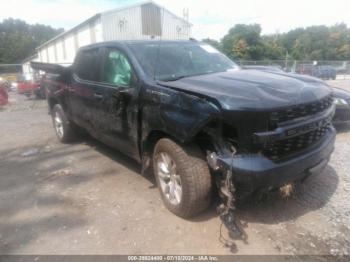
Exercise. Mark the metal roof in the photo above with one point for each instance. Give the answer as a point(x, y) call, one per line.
point(30, 58)
point(70, 30)
point(98, 15)
point(132, 42)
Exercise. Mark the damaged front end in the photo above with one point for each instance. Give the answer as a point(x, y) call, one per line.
point(253, 145)
point(281, 151)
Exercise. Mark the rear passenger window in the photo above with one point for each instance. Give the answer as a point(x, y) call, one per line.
point(117, 69)
point(87, 67)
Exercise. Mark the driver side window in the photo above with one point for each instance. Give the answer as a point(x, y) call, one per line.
point(117, 69)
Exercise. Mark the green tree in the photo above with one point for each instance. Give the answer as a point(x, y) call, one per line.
point(18, 39)
point(311, 43)
point(317, 42)
point(244, 42)
point(273, 47)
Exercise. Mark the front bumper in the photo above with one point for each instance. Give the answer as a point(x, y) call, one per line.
point(255, 171)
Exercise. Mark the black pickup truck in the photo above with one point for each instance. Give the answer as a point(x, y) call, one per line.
point(193, 117)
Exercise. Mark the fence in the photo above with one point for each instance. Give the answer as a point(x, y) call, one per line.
point(342, 68)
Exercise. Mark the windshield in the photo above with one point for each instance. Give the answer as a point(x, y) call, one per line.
point(171, 61)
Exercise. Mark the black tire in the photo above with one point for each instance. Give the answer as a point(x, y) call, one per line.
point(194, 176)
point(68, 128)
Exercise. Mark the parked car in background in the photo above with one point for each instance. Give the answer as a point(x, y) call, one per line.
point(324, 72)
point(30, 86)
point(304, 69)
point(26, 85)
point(342, 102)
point(319, 71)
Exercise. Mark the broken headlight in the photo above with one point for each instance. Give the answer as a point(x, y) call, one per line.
point(340, 101)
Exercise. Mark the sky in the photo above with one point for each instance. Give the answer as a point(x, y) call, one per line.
point(209, 18)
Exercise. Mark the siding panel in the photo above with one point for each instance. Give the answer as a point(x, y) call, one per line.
point(84, 36)
point(70, 48)
point(51, 53)
point(122, 25)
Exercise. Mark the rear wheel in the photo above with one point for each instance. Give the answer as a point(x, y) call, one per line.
point(65, 130)
point(183, 178)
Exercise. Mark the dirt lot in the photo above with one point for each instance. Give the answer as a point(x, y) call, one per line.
point(84, 198)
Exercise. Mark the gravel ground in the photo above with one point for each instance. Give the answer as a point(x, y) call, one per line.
point(85, 198)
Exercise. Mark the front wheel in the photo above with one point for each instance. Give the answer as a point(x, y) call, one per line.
point(183, 178)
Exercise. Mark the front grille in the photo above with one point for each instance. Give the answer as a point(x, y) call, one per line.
point(284, 148)
point(301, 110)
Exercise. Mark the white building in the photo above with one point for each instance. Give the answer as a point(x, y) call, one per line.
point(146, 20)
point(26, 68)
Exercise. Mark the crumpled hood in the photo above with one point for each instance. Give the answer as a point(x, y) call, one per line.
point(253, 89)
